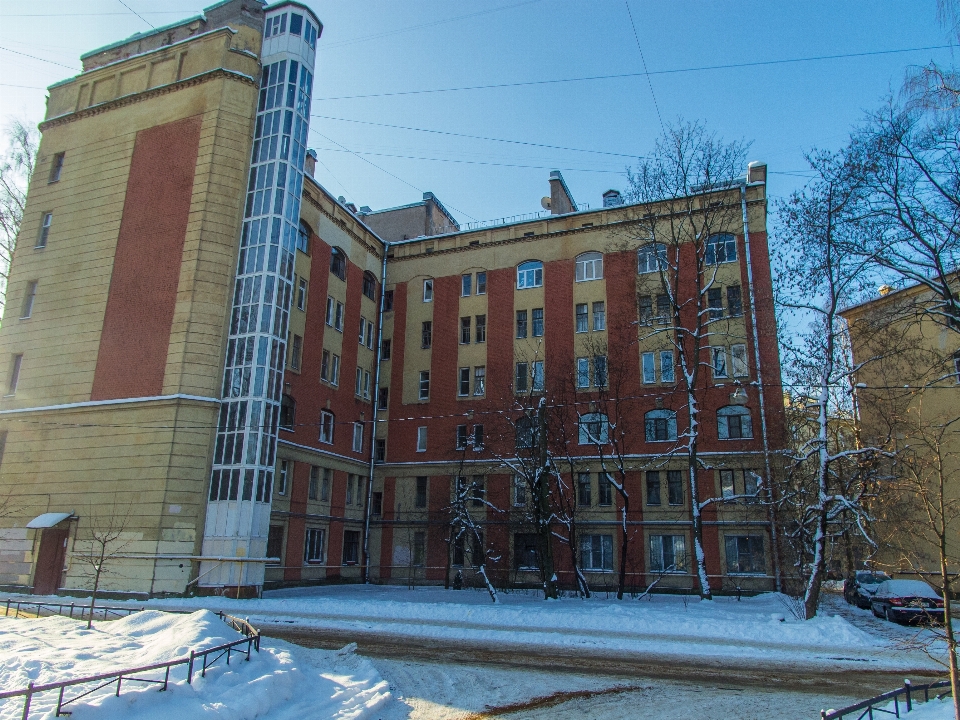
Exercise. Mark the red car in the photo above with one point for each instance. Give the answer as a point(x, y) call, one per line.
point(909, 601)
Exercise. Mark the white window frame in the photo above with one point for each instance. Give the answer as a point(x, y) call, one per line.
point(481, 283)
point(718, 360)
point(338, 322)
point(668, 366)
point(302, 294)
point(599, 315)
point(29, 297)
point(583, 372)
point(651, 258)
point(590, 545)
point(286, 468)
point(466, 285)
point(424, 386)
point(537, 376)
point(327, 427)
point(428, 290)
point(335, 370)
point(358, 437)
point(314, 542)
point(723, 248)
point(589, 267)
point(422, 438)
point(738, 360)
point(585, 315)
point(529, 274)
point(45, 222)
point(479, 380)
point(649, 368)
point(658, 560)
point(585, 436)
point(15, 370)
point(331, 304)
point(519, 491)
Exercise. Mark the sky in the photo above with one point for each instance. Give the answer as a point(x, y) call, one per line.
point(377, 57)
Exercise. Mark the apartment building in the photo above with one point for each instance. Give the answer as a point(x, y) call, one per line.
point(234, 380)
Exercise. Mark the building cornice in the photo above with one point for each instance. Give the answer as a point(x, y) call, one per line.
point(118, 401)
point(340, 223)
point(193, 81)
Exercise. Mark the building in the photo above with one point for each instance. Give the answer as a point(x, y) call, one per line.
point(908, 392)
point(182, 375)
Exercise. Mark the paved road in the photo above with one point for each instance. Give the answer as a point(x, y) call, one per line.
point(738, 672)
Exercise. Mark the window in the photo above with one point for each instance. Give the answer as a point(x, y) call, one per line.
point(738, 358)
point(481, 328)
point(45, 224)
point(583, 372)
point(331, 303)
point(530, 274)
point(537, 376)
point(645, 309)
point(15, 374)
point(660, 425)
point(296, 351)
point(296, 24)
point(719, 362)
point(649, 367)
point(303, 238)
point(596, 552)
point(593, 428)
point(744, 554)
point(338, 321)
point(358, 437)
point(370, 335)
point(302, 294)
point(653, 487)
point(420, 500)
point(369, 285)
point(419, 548)
point(479, 380)
point(428, 290)
point(325, 366)
point(351, 547)
point(363, 327)
point(335, 370)
point(604, 489)
point(666, 367)
point(326, 427)
point(674, 487)
point(376, 504)
point(464, 384)
point(426, 334)
point(476, 491)
point(734, 301)
point(519, 491)
point(56, 166)
point(522, 375)
point(383, 398)
point(288, 412)
point(313, 546)
point(721, 249)
point(275, 543)
point(385, 349)
point(388, 301)
point(751, 486)
point(466, 285)
point(330, 368)
point(727, 489)
point(286, 472)
point(465, 331)
point(338, 263)
point(600, 370)
point(589, 267)
point(525, 432)
point(481, 283)
point(538, 322)
point(28, 297)
point(652, 258)
point(424, 384)
point(326, 484)
point(521, 323)
point(358, 386)
point(421, 439)
point(349, 494)
point(478, 436)
point(582, 318)
point(599, 316)
point(715, 303)
point(668, 553)
point(525, 553)
point(461, 437)
point(313, 489)
point(380, 450)
point(664, 311)
point(584, 498)
point(733, 423)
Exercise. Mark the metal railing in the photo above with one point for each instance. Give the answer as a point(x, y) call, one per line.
point(908, 693)
point(251, 639)
point(22, 608)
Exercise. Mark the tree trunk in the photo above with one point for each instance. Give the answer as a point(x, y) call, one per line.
point(544, 511)
point(624, 542)
point(811, 598)
point(948, 630)
point(93, 596)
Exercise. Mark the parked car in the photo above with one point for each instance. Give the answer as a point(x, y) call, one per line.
point(906, 601)
point(859, 589)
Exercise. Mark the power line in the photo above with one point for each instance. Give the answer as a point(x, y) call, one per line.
point(644, 61)
point(34, 57)
point(621, 76)
point(137, 14)
point(98, 14)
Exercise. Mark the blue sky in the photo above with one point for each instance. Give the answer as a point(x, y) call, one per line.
point(382, 48)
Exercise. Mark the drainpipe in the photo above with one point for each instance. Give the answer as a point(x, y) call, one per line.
point(774, 537)
point(373, 425)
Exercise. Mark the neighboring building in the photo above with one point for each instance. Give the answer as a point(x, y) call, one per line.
point(183, 363)
point(909, 399)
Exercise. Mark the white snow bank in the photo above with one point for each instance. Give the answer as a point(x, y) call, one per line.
point(286, 681)
point(933, 710)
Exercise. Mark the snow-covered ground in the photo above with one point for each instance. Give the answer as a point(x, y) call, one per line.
point(282, 682)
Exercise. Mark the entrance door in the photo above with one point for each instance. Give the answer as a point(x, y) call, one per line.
point(53, 549)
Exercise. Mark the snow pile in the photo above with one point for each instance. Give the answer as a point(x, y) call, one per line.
point(933, 710)
point(283, 680)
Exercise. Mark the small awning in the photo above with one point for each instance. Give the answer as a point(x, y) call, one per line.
point(48, 520)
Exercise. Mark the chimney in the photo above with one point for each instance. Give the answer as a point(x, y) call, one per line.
point(310, 162)
point(561, 199)
point(756, 172)
point(612, 198)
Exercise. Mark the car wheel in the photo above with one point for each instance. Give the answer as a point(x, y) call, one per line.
point(889, 614)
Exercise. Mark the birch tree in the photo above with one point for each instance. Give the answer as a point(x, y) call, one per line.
point(106, 537)
point(688, 177)
point(16, 169)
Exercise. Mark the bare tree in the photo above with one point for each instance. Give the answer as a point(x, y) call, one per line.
point(817, 280)
point(16, 169)
point(106, 537)
point(688, 177)
point(935, 86)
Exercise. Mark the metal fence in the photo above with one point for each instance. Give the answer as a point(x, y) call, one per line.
point(202, 657)
point(32, 608)
point(905, 696)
